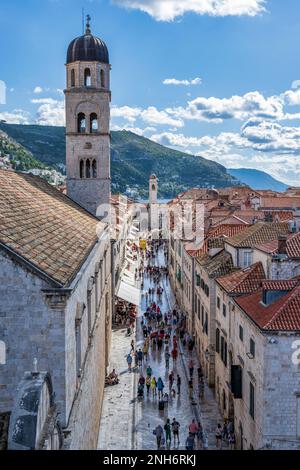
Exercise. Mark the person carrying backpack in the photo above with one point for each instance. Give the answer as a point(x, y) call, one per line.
point(148, 383)
point(160, 387)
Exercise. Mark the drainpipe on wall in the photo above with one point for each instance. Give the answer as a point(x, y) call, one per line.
point(113, 287)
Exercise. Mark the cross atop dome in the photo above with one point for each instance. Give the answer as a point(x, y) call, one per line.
point(88, 25)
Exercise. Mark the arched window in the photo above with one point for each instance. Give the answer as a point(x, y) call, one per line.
point(94, 169)
point(87, 78)
point(102, 78)
point(81, 169)
point(88, 169)
point(93, 123)
point(81, 123)
point(72, 78)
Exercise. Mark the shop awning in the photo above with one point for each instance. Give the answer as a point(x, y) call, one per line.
point(129, 293)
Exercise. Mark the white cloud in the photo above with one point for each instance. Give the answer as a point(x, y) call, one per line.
point(50, 112)
point(168, 10)
point(38, 90)
point(242, 108)
point(17, 116)
point(295, 84)
point(174, 81)
point(150, 115)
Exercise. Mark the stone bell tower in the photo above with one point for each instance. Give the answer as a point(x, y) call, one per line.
point(88, 99)
point(153, 189)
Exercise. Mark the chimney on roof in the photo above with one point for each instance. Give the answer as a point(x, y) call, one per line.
point(282, 244)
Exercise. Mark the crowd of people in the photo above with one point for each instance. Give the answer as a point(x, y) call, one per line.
point(164, 332)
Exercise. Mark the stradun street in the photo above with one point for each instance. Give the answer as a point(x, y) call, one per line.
point(129, 421)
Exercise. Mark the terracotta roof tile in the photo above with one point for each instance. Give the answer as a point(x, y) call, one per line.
point(217, 265)
point(243, 281)
point(258, 234)
point(44, 226)
point(282, 315)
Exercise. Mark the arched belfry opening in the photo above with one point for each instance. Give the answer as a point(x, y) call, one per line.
point(81, 123)
point(87, 77)
point(94, 127)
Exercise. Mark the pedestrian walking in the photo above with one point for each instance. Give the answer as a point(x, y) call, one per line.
point(148, 383)
point(193, 427)
point(175, 431)
point(218, 435)
point(201, 389)
point(149, 371)
point(140, 357)
point(178, 384)
point(231, 441)
point(132, 345)
point(191, 389)
point(199, 434)
point(174, 356)
point(190, 442)
point(167, 359)
point(167, 429)
point(160, 388)
point(129, 361)
point(158, 432)
point(153, 387)
point(191, 368)
point(171, 380)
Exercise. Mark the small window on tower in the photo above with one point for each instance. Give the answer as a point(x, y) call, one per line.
point(88, 169)
point(81, 169)
point(94, 123)
point(94, 169)
point(87, 78)
point(81, 123)
point(102, 78)
point(72, 78)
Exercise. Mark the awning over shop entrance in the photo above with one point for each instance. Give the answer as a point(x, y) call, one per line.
point(129, 293)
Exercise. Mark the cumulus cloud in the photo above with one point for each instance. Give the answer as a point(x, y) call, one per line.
point(17, 116)
point(50, 112)
point(168, 10)
point(174, 81)
point(242, 108)
point(150, 115)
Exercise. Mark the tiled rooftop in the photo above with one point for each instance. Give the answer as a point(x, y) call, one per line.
point(217, 265)
point(282, 315)
point(258, 234)
point(243, 281)
point(44, 226)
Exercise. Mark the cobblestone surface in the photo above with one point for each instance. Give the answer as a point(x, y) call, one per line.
point(128, 422)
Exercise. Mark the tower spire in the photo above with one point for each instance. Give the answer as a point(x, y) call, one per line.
point(88, 25)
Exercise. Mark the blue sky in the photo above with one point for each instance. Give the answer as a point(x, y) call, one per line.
point(217, 78)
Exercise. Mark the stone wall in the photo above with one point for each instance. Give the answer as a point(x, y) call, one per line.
point(30, 328)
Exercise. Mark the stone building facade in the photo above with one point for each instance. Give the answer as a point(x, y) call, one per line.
point(55, 301)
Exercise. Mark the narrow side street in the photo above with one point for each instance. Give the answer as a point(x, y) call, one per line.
point(128, 421)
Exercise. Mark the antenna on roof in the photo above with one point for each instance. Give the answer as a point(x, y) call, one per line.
point(83, 21)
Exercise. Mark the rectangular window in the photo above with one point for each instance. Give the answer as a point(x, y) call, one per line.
point(224, 310)
point(222, 348)
point(251, 400)
point(198, 280)
point(206, 324)
point(218, 340)
point(241, 333)
point(218, 303)
point(78, 347)
point(247, 261)
point(252, 347)
point(202, 315)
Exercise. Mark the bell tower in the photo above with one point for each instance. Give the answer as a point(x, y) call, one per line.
point(88, 100)
point(153, 189)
